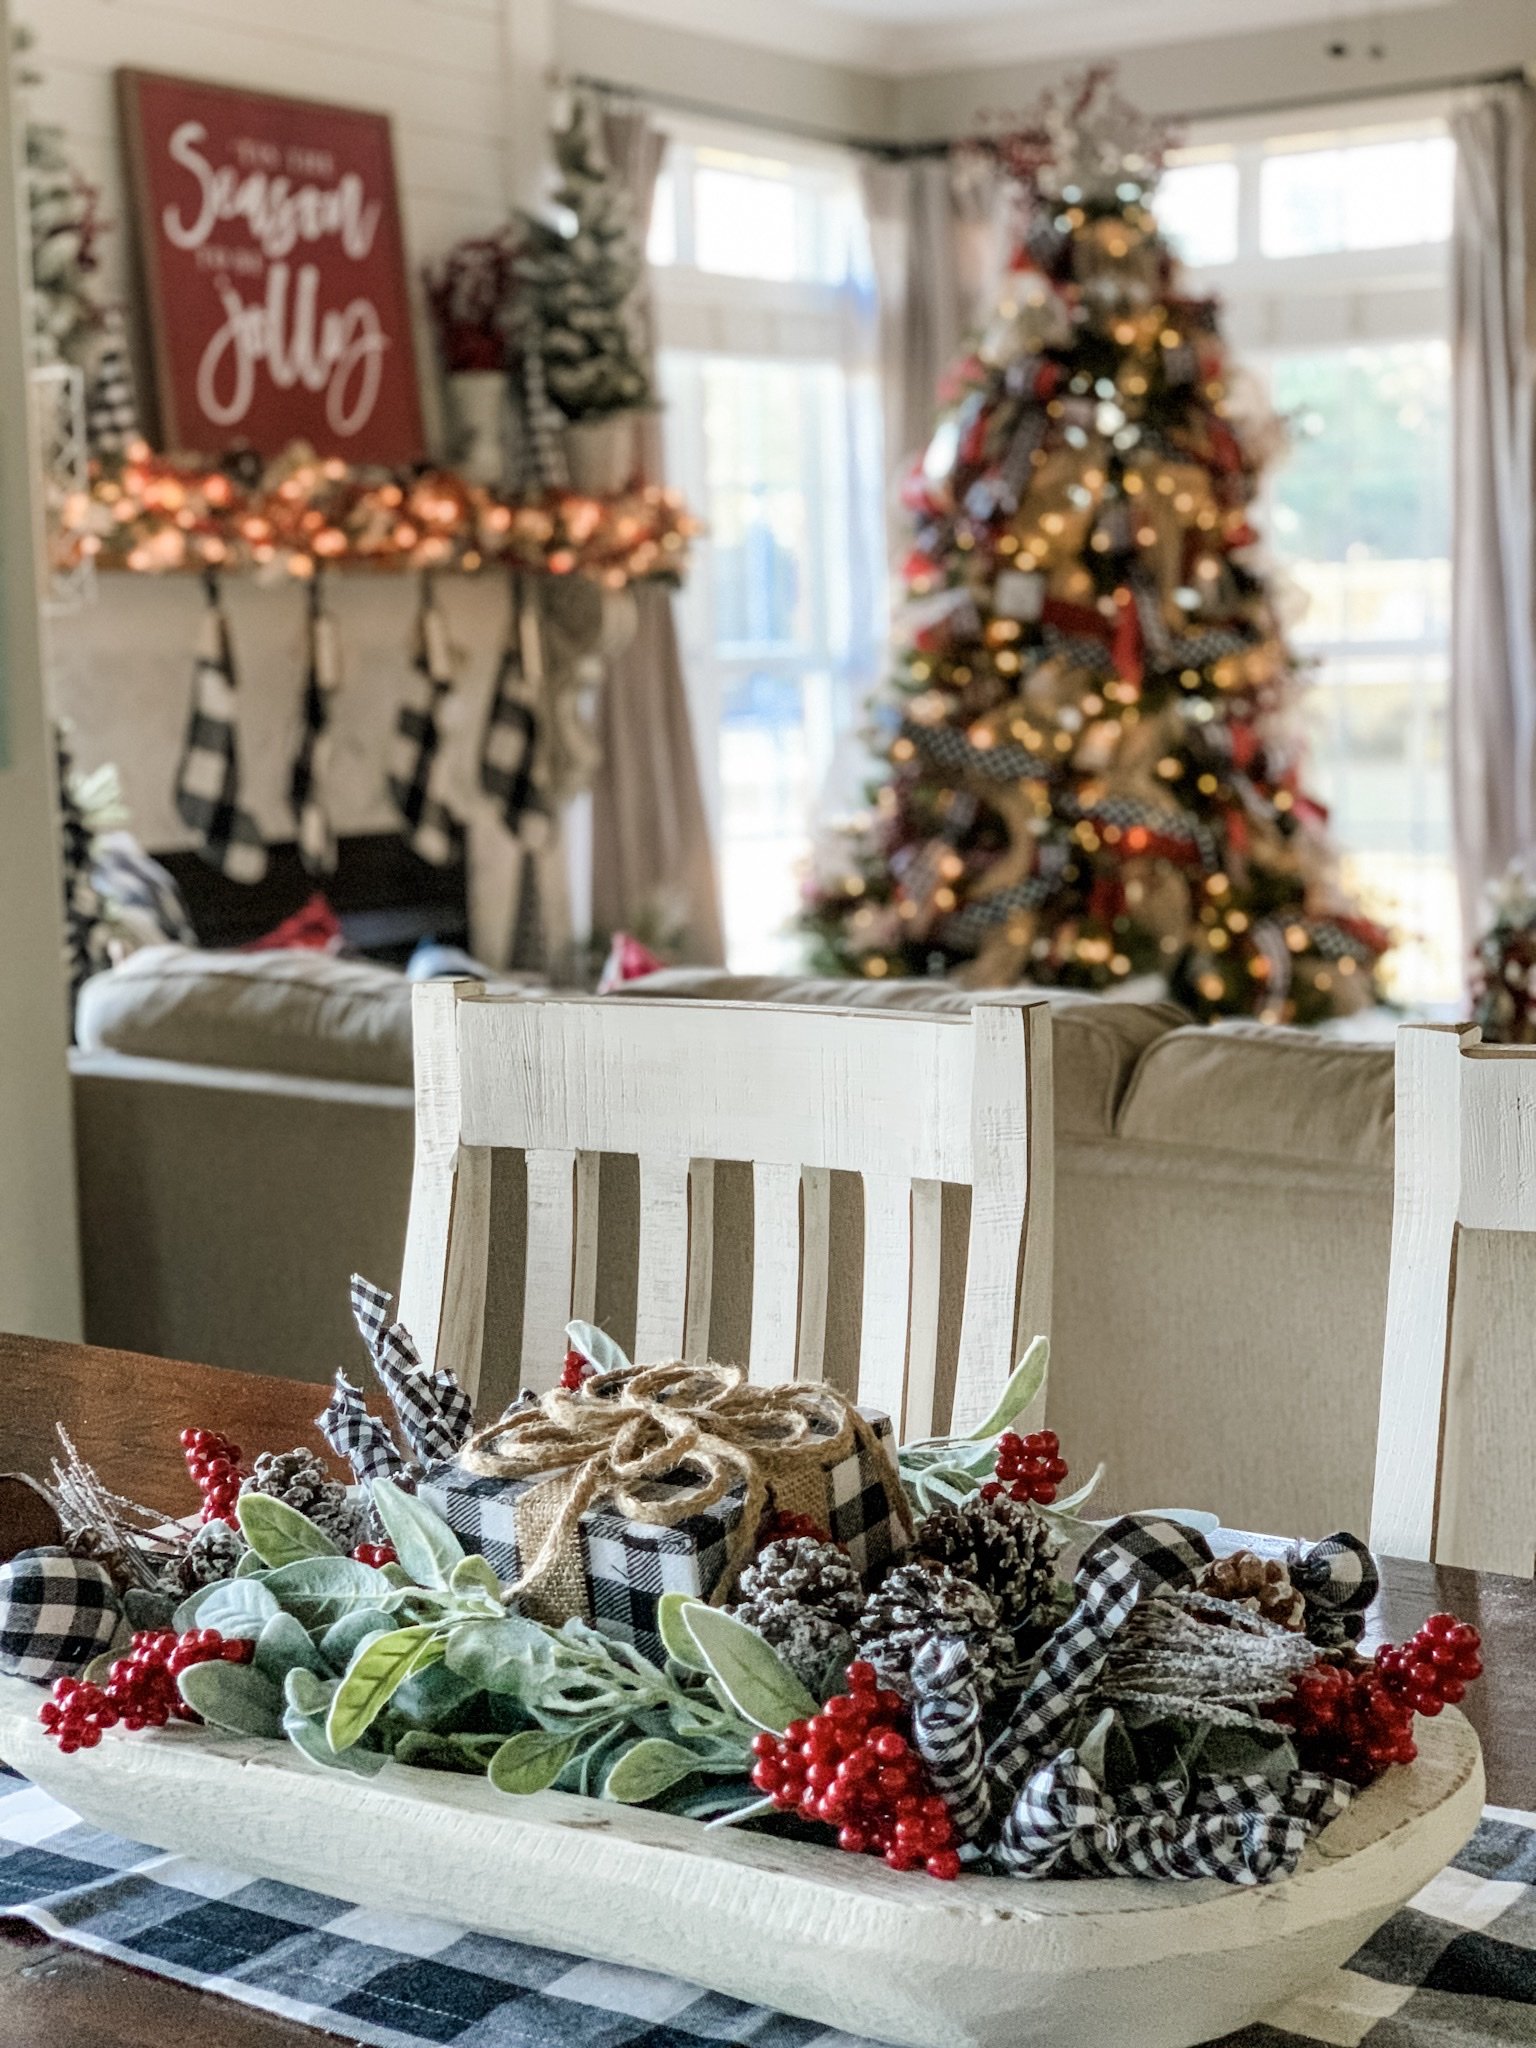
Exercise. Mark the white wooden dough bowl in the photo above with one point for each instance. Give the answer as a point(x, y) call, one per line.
point(980, 1963)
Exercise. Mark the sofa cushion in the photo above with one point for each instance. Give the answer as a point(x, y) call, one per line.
point(1095, 1041)
point(286, 1013)
point(1264, 1090)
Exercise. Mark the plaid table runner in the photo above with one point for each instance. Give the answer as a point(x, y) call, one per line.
point(1455, 1969)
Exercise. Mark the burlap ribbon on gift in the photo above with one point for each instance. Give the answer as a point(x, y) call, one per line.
point(700, 1428)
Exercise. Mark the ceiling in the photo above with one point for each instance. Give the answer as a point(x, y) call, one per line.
point(905, 37)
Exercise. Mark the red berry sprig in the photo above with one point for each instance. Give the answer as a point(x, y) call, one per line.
point(852, 1766)
point(1029, 1468)
point(576, 1370)
point(1354, 1723)
point(140, 1691)
point(782, 1527)
point(214, 1463)
point(1434, 1667)
point(376, 1554)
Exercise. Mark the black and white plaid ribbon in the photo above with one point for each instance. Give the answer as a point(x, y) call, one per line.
point(1338, 1578)
point(417, 785)
point(359, 1437)
point(509, 752)
point(952, 751)
point(435, 1412)
point(1241, 1830)
point(946, 1732)
point(208, 775)
point(308, 793)
point(1134, 1556)
point(972, 925)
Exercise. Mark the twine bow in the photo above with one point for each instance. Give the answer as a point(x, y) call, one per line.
point(701, 1428)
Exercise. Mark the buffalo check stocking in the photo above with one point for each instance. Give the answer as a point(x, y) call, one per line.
point(417, 781)
point(208, 778)
point(513, 761)
point(307, 787)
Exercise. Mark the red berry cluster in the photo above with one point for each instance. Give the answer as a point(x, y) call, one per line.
point(1354, 1723)
point(852, 1766)
point(376, 1554)
point(214, 1463)
point(575, 1371)
point(140, 1691)
point(783, 1527)
point(1433, 1668)
point(1029, 1468)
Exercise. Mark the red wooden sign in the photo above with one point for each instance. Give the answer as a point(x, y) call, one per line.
point(272, 254)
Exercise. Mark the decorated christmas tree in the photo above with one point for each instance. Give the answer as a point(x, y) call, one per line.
point(1094, 771)
point(580, 269)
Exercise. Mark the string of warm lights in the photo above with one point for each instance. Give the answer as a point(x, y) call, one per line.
point(301, 513)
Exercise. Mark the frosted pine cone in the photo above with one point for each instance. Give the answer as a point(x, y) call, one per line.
point(1261, 1584)
point(212, 1554)
point(919, 1600)
point(801, 1596)
point(803, 1572)
point(1003, 1546)
point(300, 1480)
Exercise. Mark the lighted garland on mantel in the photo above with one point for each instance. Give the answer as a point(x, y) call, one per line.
point(153, 515)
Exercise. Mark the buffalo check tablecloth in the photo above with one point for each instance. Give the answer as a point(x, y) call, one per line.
point(1456, 1967)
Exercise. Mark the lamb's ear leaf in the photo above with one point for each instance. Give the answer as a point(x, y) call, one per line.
point(376, 1673)
point(596, 1346)
point(530, 1762)
point(753, 1677)
point(1024, 1383)
point(672, 1627)
point(424, 1543)
point(235, 1697)
point(278, 1533)
point(647, 1769)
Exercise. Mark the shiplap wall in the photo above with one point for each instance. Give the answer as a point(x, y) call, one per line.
point(460, 79)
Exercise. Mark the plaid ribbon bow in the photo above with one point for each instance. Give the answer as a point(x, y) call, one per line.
point(1338, 1578)
point(1135, 1556)
point(433, 830)
point(359, 1437)
point(307, 786)
point(434, 1410)
point(208, 777)
point(1241, 1830)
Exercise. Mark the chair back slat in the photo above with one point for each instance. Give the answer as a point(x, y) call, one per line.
point(775, 1272)
point(815, 1278)
point(701, 1258)
point(886, 1294)
point(923, 1326)
point(661, 1283)
point(908, 1102)
point(1456, 1440)
point(547, 1264)
point(588, 1236)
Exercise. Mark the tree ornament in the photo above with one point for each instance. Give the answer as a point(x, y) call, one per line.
point(999, 1544)
point(917, 1601)
point(1262, 1585)
point(299, 1479)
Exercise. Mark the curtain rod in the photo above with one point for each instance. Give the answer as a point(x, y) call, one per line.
point(903, 151)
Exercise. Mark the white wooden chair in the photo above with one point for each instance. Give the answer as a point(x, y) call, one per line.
point(1456, 1445)
point(907, 1100)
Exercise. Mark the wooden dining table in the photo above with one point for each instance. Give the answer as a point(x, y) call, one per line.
point(125, 1413)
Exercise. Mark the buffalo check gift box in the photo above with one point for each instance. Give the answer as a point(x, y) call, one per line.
point(613, 1566)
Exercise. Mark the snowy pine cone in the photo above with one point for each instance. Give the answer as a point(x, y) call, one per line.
point(212, 1554)
point(917, 1601)
point(1000, 1545)
point(802, 1596)
point(300, 1480)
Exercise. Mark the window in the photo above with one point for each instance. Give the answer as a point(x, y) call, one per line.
point(1328, 251)
point(766, 315)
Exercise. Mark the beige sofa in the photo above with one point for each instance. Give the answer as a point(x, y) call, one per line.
point(1222, 1232)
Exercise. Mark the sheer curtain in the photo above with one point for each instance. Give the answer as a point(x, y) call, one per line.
point(938, 231)
point(651, 852)
point(1493, 618)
